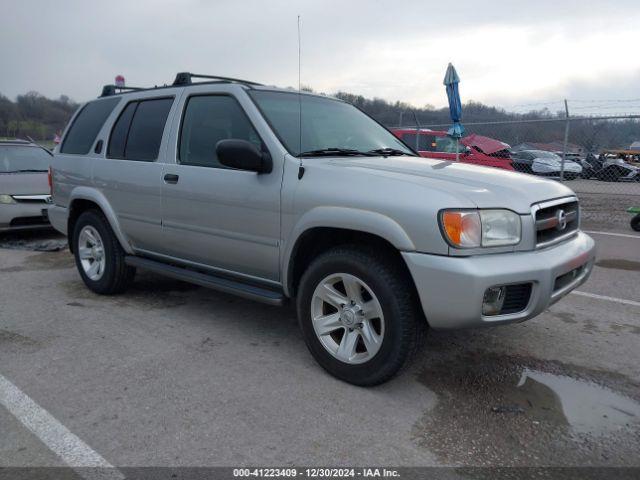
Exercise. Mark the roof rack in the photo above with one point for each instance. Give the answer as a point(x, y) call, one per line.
point(109, 90)
point(186, 78)
point(183, 79)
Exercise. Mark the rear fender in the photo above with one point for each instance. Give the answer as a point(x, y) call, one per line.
point(95, 196)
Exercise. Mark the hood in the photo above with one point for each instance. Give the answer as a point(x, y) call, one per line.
point(26, 183)
point(485, 144)
point(485, 187)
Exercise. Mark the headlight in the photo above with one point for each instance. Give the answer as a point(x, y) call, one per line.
point(480, 228)
point(6, 199)
point(500, 227)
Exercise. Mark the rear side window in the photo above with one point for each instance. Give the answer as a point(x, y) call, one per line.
point(448, 145)
point(118, 139)
point(86, 126)
point(137, 133)
point(207, 120)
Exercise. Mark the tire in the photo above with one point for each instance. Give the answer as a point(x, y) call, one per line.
point(399, 328)
point(635, 223)
point(112, 275)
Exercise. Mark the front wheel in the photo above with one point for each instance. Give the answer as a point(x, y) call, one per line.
point(359, 316)
point(635, 223)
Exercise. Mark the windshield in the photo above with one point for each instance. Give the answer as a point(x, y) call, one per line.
point(327, 124)
point(543, 154)
point(16, 159)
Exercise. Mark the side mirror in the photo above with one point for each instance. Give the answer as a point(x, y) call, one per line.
point(243, 155)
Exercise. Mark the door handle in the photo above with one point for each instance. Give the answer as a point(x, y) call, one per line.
point(171, 178)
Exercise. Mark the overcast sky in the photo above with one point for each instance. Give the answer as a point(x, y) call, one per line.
point(508, 53)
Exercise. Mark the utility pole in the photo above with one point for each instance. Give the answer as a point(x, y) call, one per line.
point(566, 139)
point(415, 116)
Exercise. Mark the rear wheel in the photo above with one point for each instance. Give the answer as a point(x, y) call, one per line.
point(99, 257)
point(358, 314)
point(635, 223)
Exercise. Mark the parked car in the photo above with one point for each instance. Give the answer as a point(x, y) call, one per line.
point(216, 183)
point(24, 188)
point(475, 149)
point(609, 168)
point(541, 162)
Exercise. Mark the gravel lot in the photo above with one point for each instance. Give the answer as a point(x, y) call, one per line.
point(608, 213)
point(170, 374)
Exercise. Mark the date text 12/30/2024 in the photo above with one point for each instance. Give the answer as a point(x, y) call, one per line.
point(316, 472)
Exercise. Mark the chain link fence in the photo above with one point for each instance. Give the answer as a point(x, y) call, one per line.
point(597, 157)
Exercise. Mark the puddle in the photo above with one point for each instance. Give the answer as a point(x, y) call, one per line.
point(37, 241)
point(49, 261)
point(619, 264)
point(498, 409)
point(585, 407)
point(12, 342)
point(7, 336)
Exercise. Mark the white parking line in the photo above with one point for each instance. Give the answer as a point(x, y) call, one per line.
point(604, 297)
point(73, 451)
point(624, 235)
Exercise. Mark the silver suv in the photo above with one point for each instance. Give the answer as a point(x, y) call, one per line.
point(275, 195)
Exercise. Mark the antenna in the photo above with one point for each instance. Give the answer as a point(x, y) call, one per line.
point(300, 168)
point(299, 86)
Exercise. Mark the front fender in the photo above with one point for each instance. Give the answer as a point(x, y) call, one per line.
point(95, 196)
point(345, 218)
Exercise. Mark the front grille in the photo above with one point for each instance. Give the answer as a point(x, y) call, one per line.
point(556, 221)
point(516, 298)
point(28, 221)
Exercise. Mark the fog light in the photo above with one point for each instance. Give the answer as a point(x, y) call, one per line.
point(493, 300)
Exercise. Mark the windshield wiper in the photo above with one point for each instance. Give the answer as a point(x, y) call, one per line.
point(390, 152)
point(335, 151)
point(26, 170)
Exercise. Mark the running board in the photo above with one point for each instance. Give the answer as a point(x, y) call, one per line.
point(252, 292)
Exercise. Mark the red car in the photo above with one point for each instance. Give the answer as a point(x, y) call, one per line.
point(473, 148)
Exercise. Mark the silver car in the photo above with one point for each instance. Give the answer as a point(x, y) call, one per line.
point(541, 162)
point(24, 188)
point(281, 196)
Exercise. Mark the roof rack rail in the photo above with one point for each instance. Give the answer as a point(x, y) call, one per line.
point(109, 90)
point(186, 78)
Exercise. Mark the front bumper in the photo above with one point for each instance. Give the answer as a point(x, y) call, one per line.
point(23, 216)
point(451, 289)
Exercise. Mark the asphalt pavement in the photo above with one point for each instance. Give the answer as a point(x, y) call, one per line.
point(169, 374)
